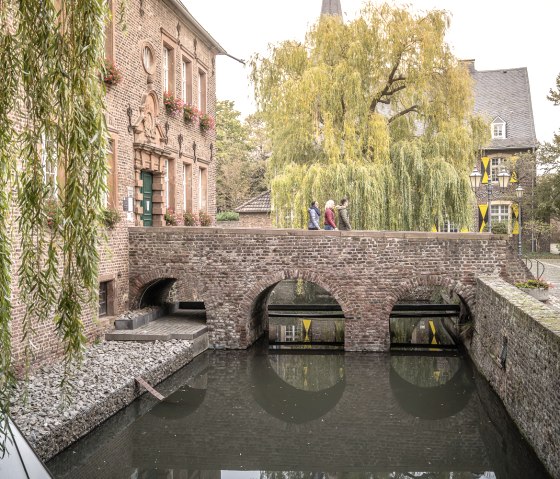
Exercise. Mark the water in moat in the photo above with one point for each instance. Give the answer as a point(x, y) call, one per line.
point(273, 414)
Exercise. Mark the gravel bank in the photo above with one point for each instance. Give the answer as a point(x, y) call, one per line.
point(103, 384)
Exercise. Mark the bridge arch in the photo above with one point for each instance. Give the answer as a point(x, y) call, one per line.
point(159, 283)
point(465, 292)
point(252, 307)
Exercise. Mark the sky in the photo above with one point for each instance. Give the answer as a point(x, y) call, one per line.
point(496, 33)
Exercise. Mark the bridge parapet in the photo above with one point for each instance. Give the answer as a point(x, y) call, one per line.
point(367, 272)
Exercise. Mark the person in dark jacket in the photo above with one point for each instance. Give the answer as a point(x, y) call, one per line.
point(314, 216)
point(329, 216)
point(343, 220)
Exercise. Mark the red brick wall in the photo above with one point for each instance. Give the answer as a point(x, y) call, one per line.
point(233, 272)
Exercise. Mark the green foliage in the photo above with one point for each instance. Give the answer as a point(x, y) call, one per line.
point(227, 216)
point(533, 284)
point(500, 228)
point(111, 218)
point(344, 111)
point(241, 156)
point(51, 62)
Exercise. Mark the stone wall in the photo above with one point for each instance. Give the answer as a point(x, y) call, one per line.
point(516, 345)
point(255, 220)
point(233, 272)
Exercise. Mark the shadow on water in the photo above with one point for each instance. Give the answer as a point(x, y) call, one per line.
point(293, 415)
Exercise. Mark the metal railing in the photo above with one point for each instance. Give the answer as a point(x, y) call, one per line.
point(533, 262)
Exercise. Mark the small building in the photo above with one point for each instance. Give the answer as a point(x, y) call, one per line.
point(255, 213)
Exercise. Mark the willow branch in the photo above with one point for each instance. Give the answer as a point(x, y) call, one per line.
point(413, 108)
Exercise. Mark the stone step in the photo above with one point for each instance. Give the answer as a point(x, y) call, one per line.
point(163, 329)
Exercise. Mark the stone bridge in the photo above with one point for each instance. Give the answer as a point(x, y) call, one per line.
point(233, 272)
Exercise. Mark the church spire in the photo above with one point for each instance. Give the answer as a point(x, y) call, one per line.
point(331, 7)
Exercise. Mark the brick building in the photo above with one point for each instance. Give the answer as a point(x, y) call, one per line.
point(158, 161)
point(503, 97)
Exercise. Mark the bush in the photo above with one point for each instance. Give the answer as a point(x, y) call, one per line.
point(110, 218)
point(190, 220)
point(204, 219)
point(227, 216)
point(533, 284)
point(500, 228)
point(171, 218)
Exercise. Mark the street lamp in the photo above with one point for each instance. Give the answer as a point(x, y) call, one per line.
point(503, 181)
point(519, 193)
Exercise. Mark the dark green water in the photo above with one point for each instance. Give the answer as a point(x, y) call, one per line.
point(283, 415)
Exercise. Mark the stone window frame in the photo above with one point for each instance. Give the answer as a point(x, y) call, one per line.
point(202, 100)
point(187, 187)
point(112, 179)
point(110, 33)
point(147, 46)
point(494, 169)
point(169, 184)
point(203, 189)
point(187, 96)
point(168, 43)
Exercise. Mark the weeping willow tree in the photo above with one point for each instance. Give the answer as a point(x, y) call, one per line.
point(51, 127)
point(378, 110)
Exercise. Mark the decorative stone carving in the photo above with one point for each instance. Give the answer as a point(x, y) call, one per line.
point(147, 130)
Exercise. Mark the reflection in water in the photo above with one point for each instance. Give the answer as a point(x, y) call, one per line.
point(305, 330)
point(251, 415)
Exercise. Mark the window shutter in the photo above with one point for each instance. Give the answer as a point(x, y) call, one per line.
point(515, 218)
point(482, 217)
point(485, 169)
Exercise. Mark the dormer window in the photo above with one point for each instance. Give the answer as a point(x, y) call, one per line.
point(498, 128)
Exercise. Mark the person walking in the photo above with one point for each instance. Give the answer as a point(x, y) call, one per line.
point(329, 216)
point(343, 220)
point(314, 216)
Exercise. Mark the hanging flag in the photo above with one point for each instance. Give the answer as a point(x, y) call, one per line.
point(515, 214)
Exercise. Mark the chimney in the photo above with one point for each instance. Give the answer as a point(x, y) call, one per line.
point(469, 64)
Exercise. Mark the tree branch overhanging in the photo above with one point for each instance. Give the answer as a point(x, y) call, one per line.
point(413, 108)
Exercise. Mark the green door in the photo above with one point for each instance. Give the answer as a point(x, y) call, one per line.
point(147, 194)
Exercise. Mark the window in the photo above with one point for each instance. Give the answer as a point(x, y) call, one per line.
point(106, 295)
point(495, 168)
point(166, 73)
point(148, 59)
point(109, 34)
point(500, 213)
point(110, 198)
point(498, 128)
point(203, 190)
point(187, 188)
point(103, 298)
point(49, 164)
point(449, 227)
point(202, 91)
point(166, 181)
point(186, 81)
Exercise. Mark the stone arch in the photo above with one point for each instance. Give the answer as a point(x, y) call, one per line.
point(175, 278)
point(251, 306)
point(465, 292)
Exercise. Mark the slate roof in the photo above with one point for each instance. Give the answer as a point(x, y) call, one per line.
point(506, 94)
point(258, 204)
point(331, 7)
